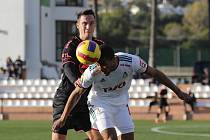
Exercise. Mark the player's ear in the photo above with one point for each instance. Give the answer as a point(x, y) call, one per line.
point(77, 24)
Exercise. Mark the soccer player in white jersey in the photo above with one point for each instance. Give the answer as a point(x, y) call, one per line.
point(108, 100)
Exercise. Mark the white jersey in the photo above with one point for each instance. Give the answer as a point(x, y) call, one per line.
point(112, 89)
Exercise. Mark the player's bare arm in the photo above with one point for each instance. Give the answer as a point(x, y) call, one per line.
point(167, 82)
point(72, 101)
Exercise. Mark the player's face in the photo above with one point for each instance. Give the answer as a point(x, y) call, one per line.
point(86, 26)
point(108, 66)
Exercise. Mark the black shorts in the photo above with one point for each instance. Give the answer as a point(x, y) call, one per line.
point(78, 119)
point(153, 103)
point(163, 103)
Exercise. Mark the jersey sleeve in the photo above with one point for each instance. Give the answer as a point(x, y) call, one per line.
point(86, 78)
point(139, 64)
point(67, 54)
point(69, 51)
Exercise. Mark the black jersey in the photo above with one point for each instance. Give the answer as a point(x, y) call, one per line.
point(69, 57)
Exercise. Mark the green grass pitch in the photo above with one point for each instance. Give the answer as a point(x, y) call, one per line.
point(145, 130)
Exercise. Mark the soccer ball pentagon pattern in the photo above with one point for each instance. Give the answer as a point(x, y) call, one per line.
point(88, 52)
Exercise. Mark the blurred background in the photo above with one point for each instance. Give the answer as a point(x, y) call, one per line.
point(171, 35)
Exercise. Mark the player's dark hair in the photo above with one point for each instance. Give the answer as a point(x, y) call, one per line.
point(163, 92)
point(86, 12)
point(107, 53)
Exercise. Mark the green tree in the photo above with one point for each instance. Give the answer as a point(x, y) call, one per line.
point(109, 5)
point(174, 31)
point(196, 20)
point(140, 24)
point(115, 27)
point(209, 25)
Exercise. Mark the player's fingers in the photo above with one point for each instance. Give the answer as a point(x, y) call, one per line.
point(54, 129)
point(55, 126)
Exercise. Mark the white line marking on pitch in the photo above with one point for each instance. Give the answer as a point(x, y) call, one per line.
point(158, 130)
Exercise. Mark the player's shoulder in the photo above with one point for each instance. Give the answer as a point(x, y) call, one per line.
point(98, 41)
point(69, 50)
point(72, 43)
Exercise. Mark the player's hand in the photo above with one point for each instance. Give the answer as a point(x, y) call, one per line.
point(184, 96)
point(58, 124)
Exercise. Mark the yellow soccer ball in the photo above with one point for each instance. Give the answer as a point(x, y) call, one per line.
point(88, 52)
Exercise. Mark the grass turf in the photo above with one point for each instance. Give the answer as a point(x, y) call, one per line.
point(41, 130)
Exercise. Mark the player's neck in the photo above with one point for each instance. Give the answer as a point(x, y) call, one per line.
point(86, 38)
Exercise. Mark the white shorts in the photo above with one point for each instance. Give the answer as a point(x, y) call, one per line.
point(105, 116)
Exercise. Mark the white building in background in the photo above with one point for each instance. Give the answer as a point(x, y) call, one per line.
point(36, 30)
point(167, 8)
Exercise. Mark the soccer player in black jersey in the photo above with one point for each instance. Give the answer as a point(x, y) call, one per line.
point(78, 119)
